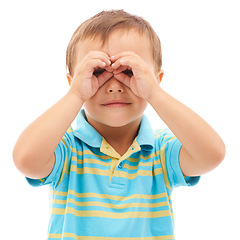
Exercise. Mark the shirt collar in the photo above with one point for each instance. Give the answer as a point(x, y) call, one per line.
point(146, 135)
point(85, 132)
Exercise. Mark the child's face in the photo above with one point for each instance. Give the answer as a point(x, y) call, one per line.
point(114, 104)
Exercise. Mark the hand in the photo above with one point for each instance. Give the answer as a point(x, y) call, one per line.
point(91, 73)
point(135, 73)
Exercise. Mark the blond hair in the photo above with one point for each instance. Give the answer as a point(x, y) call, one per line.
point(104, 23)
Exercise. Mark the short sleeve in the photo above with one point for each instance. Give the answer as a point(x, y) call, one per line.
point(60, 170)
point(170, 148)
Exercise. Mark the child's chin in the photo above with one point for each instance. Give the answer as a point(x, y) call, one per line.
point(119, 122)
point(116, 124)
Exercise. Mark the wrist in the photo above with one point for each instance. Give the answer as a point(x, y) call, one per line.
point(74, 99)
point(156, 95)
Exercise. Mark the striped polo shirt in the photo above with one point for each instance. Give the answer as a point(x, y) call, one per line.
point(98, 194)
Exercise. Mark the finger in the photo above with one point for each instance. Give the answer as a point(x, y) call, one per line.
point(120, 55)
point(126, 60)
point(120, 69)
point(97, 64)
point(99, 55)
point(98, 71)
point(109, 68)
point(104, 77)
point(121, 64)
point(123, 78)
point(90, 66)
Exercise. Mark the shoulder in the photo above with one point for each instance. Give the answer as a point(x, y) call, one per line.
point(163, 135)
point(69, 137)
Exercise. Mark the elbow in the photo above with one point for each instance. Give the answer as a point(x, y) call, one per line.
point(213, 159)
point(20, 159)
point(218, 154)
point(25, 160)
point(221, 152)
point(30, 164)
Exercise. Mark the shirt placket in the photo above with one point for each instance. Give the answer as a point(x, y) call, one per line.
point(118, 175)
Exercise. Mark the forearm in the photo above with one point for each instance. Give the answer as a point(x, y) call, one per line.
point(39, 140)
point(199, 139)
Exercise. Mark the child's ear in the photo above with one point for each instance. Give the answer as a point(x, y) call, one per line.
point(69, 78)
point(160, 76)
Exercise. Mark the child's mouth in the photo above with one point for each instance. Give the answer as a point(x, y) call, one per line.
point(116, 103)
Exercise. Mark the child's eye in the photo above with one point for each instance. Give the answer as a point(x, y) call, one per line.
point(128, 72)
point(98, 72)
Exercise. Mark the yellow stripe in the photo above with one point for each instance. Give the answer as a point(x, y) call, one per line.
point(55, 235)
point(107, 196)
point(91, 160)
point(164, 168)
point(88, 170)
point(151, 155)
point(95, 213)
point(85, 152)
point(65, 166)
point(110, 205)
point(70, 129)
point(77, 237)
point(89, 152)
point(142, 164)
point(101, 172)
point(106, 164)
point(156, 155)
point(158, 132)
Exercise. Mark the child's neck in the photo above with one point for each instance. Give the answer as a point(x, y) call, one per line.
point(120, 138)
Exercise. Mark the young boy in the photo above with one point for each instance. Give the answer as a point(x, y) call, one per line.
point(112, 176)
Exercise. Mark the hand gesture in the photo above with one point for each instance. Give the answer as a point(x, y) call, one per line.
point(135, 73)
point(91, 73)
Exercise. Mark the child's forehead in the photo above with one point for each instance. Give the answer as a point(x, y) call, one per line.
point(117, 41)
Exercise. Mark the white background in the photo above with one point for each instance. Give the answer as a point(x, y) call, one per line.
point(200, 42)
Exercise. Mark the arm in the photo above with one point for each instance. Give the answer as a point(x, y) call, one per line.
point(202, 148)
point(33, 153)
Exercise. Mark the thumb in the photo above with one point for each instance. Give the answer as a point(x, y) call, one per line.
point(123, 78)
point(104, 77)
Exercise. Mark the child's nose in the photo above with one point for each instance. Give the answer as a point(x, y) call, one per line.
point(114, 86)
